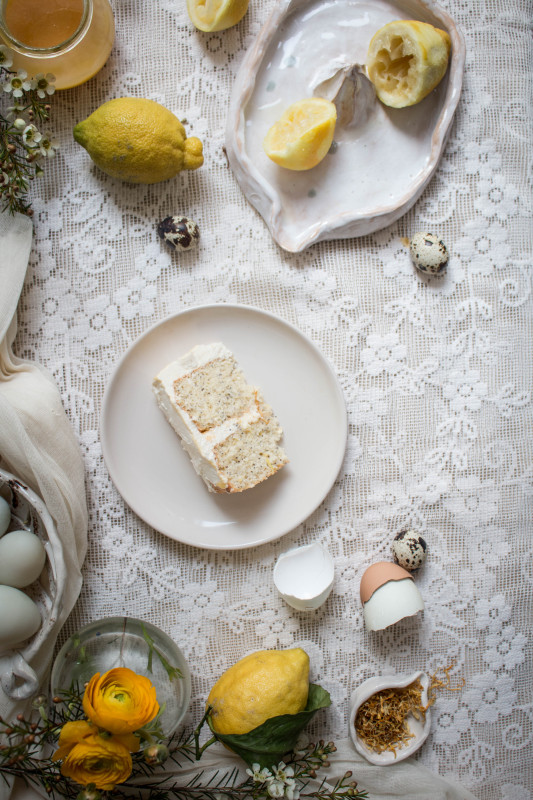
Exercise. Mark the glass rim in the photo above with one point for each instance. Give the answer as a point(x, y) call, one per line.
point(19, 46)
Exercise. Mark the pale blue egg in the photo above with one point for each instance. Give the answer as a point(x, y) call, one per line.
point(22, 558)
point(5, 516)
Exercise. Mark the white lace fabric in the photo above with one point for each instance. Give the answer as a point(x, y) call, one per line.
point(437, 376)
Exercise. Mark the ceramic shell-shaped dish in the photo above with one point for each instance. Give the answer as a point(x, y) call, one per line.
point(28, 512)
point(382, 158)
point(420, 728)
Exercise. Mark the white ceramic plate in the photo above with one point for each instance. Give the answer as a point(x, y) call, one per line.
point(383, 158)
point(154, 474)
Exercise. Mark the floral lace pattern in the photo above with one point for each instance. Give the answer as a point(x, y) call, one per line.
point(436, 373)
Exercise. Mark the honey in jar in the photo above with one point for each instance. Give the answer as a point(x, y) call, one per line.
point(71, 39)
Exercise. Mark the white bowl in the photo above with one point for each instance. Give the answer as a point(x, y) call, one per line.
point(420, 728)
point(122, 642)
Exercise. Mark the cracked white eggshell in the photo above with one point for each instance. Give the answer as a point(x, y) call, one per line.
point(304, 576)
point(391, 602)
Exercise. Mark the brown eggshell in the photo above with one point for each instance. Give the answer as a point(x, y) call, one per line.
point(379, 573)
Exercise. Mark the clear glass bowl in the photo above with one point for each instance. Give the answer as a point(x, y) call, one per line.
point(126, 642)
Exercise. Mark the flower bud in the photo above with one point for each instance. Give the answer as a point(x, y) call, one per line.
point(39, 701)
point(156, 754)
point(89, 793)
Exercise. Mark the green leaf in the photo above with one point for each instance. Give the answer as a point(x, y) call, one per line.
point(267, 744)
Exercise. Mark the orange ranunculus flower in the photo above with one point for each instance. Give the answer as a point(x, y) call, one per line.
point(103, 761)
point(72, 733)
point(120, 701)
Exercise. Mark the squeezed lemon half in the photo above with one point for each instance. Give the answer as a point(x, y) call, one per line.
point(406, 60)
point(216, 15)
point(303, 134)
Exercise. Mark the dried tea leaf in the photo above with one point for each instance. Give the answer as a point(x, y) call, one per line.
point(381, 721)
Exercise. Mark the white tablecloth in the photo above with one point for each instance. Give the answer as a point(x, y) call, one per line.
point(437, 378)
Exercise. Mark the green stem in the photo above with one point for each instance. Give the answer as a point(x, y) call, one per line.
point(199, 750)
point(172, 672)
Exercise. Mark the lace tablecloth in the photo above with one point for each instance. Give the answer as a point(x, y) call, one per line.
point(436, 373)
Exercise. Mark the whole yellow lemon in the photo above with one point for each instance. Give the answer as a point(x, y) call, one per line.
point(138, 141)
point(261, 685)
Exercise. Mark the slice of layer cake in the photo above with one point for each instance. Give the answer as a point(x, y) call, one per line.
point(229, 432)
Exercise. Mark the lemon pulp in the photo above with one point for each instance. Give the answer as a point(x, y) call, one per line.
point(303, 134)
point(406, 60)
point(216, 15)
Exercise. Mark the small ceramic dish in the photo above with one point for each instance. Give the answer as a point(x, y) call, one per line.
point(420, 728)
point(28, 512)
point(381, 159)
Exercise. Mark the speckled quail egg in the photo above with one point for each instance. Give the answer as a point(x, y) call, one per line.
point(5, 516)
point(409, 550)
point(180, 233)
point(429, 253)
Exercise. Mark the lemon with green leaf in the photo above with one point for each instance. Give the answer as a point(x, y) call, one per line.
point(261, 685)
point(138, 141)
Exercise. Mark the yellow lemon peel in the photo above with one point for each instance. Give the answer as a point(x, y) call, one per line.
point(216, 15)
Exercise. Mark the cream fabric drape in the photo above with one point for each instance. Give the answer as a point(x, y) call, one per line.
point(38, 446)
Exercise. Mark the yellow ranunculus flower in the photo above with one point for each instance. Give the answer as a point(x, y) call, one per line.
point(98, 760)
point(120, 701)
